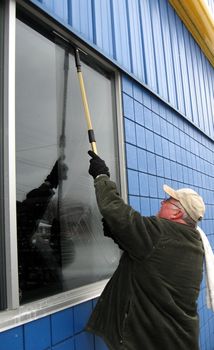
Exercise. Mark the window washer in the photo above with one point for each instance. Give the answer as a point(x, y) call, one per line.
point(39, 263)
point(150, 303)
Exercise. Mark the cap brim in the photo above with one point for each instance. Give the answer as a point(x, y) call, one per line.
point(170, 191)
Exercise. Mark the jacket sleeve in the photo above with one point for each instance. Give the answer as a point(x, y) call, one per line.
point(136, 234)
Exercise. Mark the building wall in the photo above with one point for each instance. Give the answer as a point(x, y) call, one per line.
point(163, 144)
point(148, 40)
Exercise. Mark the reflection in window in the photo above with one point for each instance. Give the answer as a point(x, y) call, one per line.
point(60, 240)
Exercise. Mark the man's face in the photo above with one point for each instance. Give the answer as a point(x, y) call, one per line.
point(169, 208)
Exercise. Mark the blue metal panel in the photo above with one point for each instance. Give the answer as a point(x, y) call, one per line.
point(104, 26)
point(145, 206)
point(192, 101)
point(122, 46)
point(131, 157)
point(81, 315)
point(99, 344)
point(176, 60)
point(136, 44)
point(133, 183)
point(211, 90)
point(170, 75)
point(193, 48)
point(127, 85)
point(146, 29)
point(134, 202)
point(154, 205)
point(82, 22)
point(62, 325)
point(84, 341)
point(153, 189)
point(151, 163)
point(158, 49)
point(144, 185)
point(203, 116)
point(148, 118)
point(130, 135)
point(159, 166)
point(138, 93)
point(142, 160)
point(66, 345)
point(12, 339)
point(37, 334)
point(60, 8)
point(128, 107)
point(208, 117)
point(139, 113)
point(184, 72)
point(140, 134)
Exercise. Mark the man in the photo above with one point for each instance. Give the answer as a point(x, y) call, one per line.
point(39, 261)
point(150, 303)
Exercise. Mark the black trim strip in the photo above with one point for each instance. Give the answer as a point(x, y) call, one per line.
point(3, 283)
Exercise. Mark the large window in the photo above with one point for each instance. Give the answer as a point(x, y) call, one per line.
point(60, 240)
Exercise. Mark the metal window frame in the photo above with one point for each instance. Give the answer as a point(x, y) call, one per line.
point(16, 314)
point(9, 158)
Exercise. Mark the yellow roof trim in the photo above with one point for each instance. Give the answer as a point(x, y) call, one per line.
point(199, 20)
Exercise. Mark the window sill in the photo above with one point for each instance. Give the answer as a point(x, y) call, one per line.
point(35, 310)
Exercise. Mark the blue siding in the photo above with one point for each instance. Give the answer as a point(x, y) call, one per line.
point(121, 35)
point(39, 327)
point(135, 39)
point(146, 28)
point(12, 339)
point(103, 20)
point(147, 39)
point(170, 151)
point(162, 88)
point(62, 330)
point(81, 11)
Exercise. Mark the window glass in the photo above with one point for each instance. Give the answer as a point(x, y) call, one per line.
point(60, 240)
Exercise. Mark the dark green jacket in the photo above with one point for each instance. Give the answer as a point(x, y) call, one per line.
point(150, 301)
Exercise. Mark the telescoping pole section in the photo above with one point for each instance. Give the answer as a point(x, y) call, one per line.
point(91, 135)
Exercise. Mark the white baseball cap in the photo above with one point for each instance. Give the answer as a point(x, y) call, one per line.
point(190, 201)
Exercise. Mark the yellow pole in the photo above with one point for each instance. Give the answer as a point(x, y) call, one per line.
point(91, 135)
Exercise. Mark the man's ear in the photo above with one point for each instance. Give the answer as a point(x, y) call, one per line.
point(177, 215)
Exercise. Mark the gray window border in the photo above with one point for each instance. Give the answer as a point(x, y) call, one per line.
point(17, 315)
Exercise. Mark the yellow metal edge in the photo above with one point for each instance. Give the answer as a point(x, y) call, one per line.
point(199, 20)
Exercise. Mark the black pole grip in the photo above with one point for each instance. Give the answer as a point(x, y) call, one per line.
point(91, 136)
point(77, 60)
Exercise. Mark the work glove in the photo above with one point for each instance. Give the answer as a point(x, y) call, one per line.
point(97, 165)
point(108, 233)
point(59, 171)
point(53, 177)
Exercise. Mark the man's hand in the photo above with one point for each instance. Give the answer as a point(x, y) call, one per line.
point(58, 172)
point(97, 165)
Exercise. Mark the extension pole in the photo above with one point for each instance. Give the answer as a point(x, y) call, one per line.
point(91, 135)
